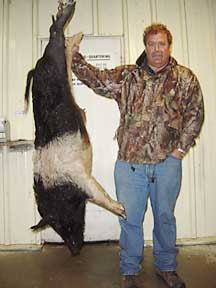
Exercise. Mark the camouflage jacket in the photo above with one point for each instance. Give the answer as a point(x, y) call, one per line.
point(158, 111)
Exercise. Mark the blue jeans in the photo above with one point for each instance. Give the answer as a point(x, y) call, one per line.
point(134, 184)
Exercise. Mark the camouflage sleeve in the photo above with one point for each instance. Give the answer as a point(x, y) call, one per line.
point(106, 82)
point(193, 114)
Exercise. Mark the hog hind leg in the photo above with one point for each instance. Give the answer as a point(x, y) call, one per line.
point(65, 12)
point(55, 48)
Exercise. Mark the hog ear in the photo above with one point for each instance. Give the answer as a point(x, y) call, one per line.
point(53, 19)
point(140, 60)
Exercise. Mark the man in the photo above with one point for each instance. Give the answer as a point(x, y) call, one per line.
point(161, 114)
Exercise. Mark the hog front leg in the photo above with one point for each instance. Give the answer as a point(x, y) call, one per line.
point(69, 44)
point(99, 196)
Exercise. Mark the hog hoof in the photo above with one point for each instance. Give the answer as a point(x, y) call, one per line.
point(118, 208)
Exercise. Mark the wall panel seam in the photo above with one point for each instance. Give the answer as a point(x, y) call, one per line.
point(126, 31)
point(5, 48)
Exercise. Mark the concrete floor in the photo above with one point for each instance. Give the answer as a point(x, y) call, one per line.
point(97, 266)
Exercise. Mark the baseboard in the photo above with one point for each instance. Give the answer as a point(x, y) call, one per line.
point(21, 247)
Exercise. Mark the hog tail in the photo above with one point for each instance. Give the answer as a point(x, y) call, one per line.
point(28, 84)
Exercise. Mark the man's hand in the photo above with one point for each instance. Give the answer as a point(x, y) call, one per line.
point(177, 154)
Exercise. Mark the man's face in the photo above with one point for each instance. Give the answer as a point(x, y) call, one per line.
point(157, 50)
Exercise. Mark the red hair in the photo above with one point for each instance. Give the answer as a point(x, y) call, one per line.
point(155, 29)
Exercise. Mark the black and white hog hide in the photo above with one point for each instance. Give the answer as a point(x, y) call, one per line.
point(63, 154)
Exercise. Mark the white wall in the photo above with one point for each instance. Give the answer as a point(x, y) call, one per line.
point(18, 211)
point(193, 25)
point(1, 56)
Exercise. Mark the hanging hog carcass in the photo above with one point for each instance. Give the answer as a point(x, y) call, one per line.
point(63, 154)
